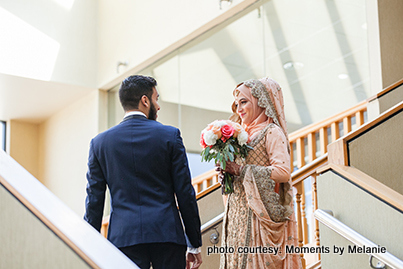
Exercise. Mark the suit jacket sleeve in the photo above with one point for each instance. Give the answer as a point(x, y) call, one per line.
point(185, 193)
point(96, 187)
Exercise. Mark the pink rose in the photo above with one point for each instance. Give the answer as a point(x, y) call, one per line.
point(237, 128)
point(202, 143)
point(227, 131)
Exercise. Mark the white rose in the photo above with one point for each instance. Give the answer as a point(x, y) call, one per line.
point(242, 138)
point(220, 123)
point(210, 138)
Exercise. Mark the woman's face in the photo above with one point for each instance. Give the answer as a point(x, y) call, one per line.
point(244, 107)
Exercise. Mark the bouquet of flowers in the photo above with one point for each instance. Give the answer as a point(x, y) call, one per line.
point(221, 140)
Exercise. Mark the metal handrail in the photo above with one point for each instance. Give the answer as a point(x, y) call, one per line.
point(356, 238)
point(211, 223)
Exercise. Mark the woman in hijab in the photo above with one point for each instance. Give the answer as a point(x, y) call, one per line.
point(259, 221)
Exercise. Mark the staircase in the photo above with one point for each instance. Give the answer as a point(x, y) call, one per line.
point(340, 135)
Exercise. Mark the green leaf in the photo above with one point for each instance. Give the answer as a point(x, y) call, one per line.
point(210, 157)
point(223, 165)
point(203, 154)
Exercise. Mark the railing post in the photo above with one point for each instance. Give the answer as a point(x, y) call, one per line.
point(215, 179)
point(311, 146)
point(359, 118)
point(347, 125)
point(299, 219)
point(300, 152)
point(200, 187)
point(335, 131)
point(314, 207)
point(323, 140)
point(303, 212)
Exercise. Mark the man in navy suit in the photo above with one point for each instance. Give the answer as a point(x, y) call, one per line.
point(144, 164)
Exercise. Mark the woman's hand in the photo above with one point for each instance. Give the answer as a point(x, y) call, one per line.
point(231, 168)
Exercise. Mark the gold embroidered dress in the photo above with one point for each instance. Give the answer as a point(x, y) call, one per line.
point(258, 215)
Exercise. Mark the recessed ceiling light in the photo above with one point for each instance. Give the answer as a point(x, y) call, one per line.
point(343, 76)
point(293, 65)
point(229, 2)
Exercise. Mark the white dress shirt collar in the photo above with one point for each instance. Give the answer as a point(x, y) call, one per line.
point(134, 113)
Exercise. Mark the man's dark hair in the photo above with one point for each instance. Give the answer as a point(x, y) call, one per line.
point(133, 88)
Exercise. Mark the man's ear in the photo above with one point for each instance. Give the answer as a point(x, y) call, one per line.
point(144, 100)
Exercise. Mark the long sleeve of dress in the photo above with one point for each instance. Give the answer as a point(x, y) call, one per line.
point(267, 166)
point(279, 158)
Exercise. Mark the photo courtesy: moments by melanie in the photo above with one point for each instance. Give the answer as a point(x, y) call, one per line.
point(223, 140)
point(290, 249)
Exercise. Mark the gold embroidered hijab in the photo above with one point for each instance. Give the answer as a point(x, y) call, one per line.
point(268, 96)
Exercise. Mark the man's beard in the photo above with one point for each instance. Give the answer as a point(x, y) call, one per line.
point(152, 115)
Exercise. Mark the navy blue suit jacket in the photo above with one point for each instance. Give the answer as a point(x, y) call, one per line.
point(144, 164)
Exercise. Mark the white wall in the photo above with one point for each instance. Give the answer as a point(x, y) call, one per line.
point(64, 145)
point(72, 28)
point(135, 30)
